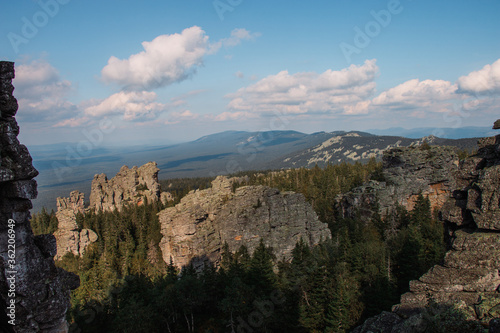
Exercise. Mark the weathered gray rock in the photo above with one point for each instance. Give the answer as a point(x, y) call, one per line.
point(41, 289)
point(196, 229)
point(129, 187)
point(408, 172)
point(469, 278)
point(496, 125)
point(68, 235)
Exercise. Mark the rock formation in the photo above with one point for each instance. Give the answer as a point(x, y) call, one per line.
point(469, 278)
point(408, 172)
point(28, 276)
point(129, 186)
point(69, 237)
point(196, 229)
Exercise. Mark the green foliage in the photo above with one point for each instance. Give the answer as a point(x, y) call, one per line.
point(43, 222)
point(419, 244)
point(331, 287)
point(443, 318)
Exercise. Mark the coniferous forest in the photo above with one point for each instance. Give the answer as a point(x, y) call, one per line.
point(332, 287)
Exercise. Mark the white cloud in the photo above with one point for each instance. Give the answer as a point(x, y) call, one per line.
point(237, 35)
point(483, 81)
point(73, 122)
point(239, 115)
point(239, 75)
point(328, 92)
point(177, 117)
point(133, 105)
point(167, 59)
point(41, 93)
point(432, 95)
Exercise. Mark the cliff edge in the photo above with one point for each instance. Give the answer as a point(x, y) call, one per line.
point(469, 278)
point(34, 293)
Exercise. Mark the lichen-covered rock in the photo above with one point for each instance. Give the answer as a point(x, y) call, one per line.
point(41, 289)
point(196, 229)
point(129, 187)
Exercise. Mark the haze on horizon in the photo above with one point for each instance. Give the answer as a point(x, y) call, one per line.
point(172, 71)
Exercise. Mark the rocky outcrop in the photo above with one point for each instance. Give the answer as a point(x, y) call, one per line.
point(196, 229)
point(496, 125)
point(469, 278)
point(408, 172)
point(129, 187)
point(69, 237)
point(28, 276)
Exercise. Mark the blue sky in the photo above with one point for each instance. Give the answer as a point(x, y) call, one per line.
point(169, 71)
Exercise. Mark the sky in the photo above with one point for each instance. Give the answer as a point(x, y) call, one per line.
point(123, 72)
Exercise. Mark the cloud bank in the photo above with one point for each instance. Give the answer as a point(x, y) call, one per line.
point(307, 92)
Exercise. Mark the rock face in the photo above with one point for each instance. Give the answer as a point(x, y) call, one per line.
point(196, 229)
point(408, 172)
point(39, 289)
point(129, 186)
point(469, 278)
point(68, 235)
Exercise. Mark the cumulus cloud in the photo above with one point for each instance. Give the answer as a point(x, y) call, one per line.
point(41, 92)
point(412, 94)
point(483, 81)
point(132, 105)
point(328, 92)
point(167, 59)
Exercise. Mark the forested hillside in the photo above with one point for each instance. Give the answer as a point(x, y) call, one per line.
point(362, 270)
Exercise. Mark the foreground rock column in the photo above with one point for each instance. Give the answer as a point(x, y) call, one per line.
point(34, 293)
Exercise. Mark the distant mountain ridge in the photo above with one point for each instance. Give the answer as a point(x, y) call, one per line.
point(445, 133)
point(360, 146)
point(61, 170)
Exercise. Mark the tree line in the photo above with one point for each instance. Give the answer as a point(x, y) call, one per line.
point(332, 287)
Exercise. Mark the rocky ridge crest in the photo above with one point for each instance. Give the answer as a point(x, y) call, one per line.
point(469, 278)
point(196, 229)
point(41, 289)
